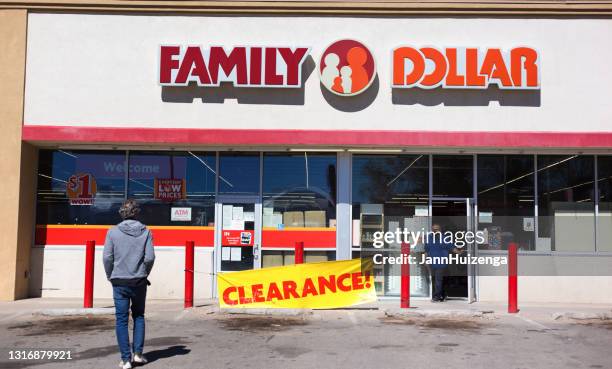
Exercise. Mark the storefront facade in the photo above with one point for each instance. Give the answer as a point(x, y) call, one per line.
point(229, 131)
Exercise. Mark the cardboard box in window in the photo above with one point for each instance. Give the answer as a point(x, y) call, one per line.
point(309, 257)
point(272, 220)
point(315, 257)
point(293, 219)
point(314, 218)
point(288, 259)
point(272, 260)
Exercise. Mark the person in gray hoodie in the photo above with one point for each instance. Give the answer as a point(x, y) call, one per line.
point(128, 259)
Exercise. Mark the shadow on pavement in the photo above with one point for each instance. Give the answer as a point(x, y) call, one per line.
point(167, 353)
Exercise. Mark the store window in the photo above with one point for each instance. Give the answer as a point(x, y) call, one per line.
point(566, 207)
point(173, 188)
point(604, 218)
point(506, 201)
point(80, 187)
point(453, 176)
point(390, 192)
point(239, 173)
point(299, 204)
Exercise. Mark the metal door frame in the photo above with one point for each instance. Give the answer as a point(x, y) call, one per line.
point(472, 270)
point(472, 250)
point(236, 199)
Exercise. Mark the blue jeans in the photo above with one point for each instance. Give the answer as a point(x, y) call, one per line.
point(123, 295)
point(438, 282)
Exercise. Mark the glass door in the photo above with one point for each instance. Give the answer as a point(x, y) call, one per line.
point(456, 216)
point(238, 233)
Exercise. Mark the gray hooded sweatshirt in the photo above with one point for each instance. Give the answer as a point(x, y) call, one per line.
point(128, 252)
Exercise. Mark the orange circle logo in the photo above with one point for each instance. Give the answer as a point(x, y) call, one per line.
point(347, 68)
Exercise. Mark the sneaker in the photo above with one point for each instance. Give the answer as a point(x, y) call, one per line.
point(125, 365)
point(139, 359)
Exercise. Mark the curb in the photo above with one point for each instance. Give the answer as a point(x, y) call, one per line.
point(439, 313)
point(76, 312)
point(581, 316)
point(271, 312)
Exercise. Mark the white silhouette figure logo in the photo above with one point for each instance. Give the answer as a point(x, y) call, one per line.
point(346, 68)
point(347, 82)
point(330, 72)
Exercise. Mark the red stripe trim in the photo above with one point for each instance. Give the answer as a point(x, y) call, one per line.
point(78, 236)
point(52, 236)
point(72, 134)
point(288, 238)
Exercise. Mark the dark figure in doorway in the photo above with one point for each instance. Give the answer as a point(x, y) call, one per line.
point(435, 248)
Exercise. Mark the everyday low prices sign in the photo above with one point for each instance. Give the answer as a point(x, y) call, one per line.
point(169, 189)
point(325, 285)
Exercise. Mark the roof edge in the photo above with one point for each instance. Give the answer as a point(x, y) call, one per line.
point(388, 7)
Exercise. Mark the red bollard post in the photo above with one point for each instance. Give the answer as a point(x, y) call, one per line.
point(90, 256)
point(512, 278)
point(405, 277)
point(189, 250)
point(299, 252)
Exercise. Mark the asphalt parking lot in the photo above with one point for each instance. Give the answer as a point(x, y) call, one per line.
point(355, 338)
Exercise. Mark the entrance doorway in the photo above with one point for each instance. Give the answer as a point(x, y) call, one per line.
point(238, 234)
point(457, 215)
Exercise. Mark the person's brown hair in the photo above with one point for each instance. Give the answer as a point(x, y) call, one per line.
point(129, 209)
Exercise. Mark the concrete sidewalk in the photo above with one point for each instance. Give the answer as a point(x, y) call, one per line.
point(551, 311)
point(454, 334)
point(419, 307)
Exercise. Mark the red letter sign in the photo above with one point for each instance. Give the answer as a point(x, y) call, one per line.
point(465, 68)
point(242, 66)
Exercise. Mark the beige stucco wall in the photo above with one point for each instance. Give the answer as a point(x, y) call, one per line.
point(548, 289)
point(59, 271)
point(18, 183)
point(552, 278)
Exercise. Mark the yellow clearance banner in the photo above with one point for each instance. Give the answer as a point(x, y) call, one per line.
point(331, 284)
